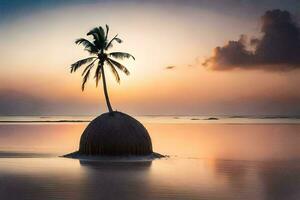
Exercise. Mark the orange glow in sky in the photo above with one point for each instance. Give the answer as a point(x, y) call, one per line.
point(37, 50)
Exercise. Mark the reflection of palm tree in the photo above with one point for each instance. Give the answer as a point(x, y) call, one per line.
point(98, 48)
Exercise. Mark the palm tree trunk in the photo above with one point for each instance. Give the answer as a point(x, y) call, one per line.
point(105, 91)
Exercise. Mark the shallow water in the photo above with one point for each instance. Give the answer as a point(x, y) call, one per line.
point(213, 160)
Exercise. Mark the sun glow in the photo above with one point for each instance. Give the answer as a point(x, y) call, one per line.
point(42, 64)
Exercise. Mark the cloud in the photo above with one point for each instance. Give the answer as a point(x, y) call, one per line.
point(277, 50)
point(170, 67)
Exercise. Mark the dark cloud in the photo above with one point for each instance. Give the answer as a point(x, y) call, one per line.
point(170, 67)
point(277, 49)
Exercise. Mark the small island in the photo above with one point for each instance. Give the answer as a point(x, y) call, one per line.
point(212, 118)
point(112, 134)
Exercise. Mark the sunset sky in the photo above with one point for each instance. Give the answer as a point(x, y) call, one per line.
point(178, 67)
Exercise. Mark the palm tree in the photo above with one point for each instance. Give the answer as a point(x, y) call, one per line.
point(100, 57)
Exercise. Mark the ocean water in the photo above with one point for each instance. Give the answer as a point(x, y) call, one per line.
point(237, 157)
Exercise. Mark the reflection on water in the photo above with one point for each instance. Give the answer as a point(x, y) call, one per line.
point(60, 178)
point(209, 161)
point(110, 165)
point(54, 138)
point(14, 154)
point(281, 180)
point(214, 141)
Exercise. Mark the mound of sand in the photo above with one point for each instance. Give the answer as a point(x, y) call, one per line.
point(115, 134)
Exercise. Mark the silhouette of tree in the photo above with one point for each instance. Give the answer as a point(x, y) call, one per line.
point(98, 48)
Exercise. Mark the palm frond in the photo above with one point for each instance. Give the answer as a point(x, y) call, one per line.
point(90, 66)
point(97, 45)
point(121, 55)
point(99, 36)
point(85, 78)
point(110, 44)
point(107, 30)
point(114, 71)
point(88, 46)
point(84, 42)
point(98, 74)
point(101, 32)
point(119, 66)
point(94, 33)
point(79, 63)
